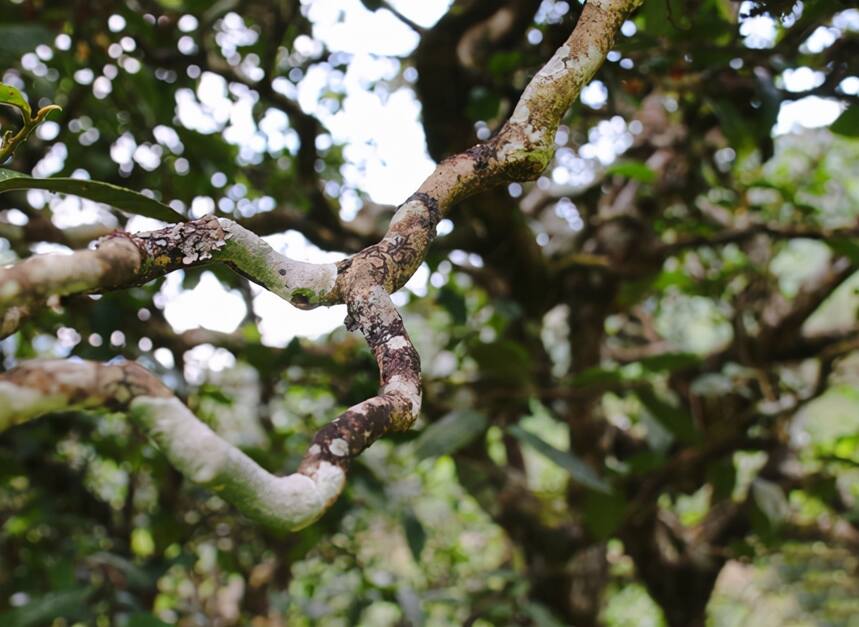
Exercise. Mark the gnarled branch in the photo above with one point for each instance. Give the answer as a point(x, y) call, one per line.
point(520, 151)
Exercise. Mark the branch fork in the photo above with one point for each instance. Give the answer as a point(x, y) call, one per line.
point(520, 151)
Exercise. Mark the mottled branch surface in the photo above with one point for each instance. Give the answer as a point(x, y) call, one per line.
point(520, 151)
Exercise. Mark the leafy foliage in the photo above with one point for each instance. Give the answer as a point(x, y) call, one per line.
point(639, 295)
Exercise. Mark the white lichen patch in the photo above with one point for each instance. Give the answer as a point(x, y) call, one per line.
point(406, 388)
point(556, 66)
point(190, 445)
point(298, 500)
point(397, 342)
point(18, 404)
point(8, 290)
point(380, 309)
point(521, 113)
point(339, 447)
point(329, 480)
point(413, 208)
point(81, 375)
point(294, 501)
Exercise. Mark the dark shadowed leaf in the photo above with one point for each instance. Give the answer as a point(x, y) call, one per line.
point(673, 418)
point(134, 575)
point(847, 247)
point(541, 615)
point(416, 536)
point(644, 462)
point(145, 619)
point(450, 434)
point(454, 303)
point(482, 104)
point(42, 610)
point(579, 471)
point(597, 376)
point(107, 193)
point(502, 361)
point(847, 123)
point(722, 475)
point(737, 128)
point(604, 513)
point(19, 38)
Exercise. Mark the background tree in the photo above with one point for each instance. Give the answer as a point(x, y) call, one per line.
point(639, 371)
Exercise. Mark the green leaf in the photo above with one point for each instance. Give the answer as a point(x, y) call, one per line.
point(135, 576)
point(845, 246)
point(604, 513)
point(674, 419)
point(451, 433)
point(42, 610)
point(722, 475)
point(12, 97)
point(669, 361)
point(416, 536)
point(597, 376)
point(216, 394)
point(847, 123)
point(43, 113)
point(145, 619)
point(541, 615)
point(18, 38)
point(482, 104)
point(635, 170)
point(579, 471)
point(770, 500)
point(454, 304)
point(502, 361)
point(504, 63)
point(113, 195)
point(737, 128)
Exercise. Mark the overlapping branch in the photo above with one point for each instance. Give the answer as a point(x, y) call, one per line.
point(520, 151)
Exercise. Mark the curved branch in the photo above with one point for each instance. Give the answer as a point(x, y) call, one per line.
point(292, 502)
point(399, 402)
point(520, 151)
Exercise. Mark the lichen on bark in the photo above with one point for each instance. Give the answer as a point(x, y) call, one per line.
point(520, 151)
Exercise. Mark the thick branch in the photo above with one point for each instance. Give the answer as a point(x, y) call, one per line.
point(124, 259)
point(520, 151)
point(290, 502)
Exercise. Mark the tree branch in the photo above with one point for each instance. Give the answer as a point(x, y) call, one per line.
point(290, 502)
point(520, 151)
point(125, 259)
point(731, 236)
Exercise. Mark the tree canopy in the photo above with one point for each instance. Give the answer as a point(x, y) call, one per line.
point(475, 312)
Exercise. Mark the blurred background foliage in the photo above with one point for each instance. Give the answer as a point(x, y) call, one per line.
point(641, 371)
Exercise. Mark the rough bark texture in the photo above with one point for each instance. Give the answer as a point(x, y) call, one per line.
point(520, 151)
